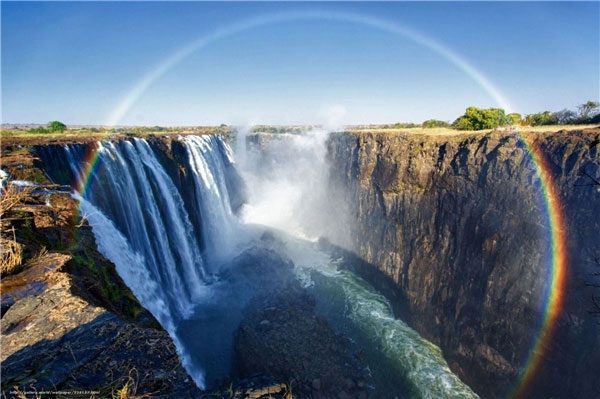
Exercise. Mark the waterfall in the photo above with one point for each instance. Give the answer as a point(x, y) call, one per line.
point(131, 267)
point(141, 223)
point(171, 225)
point(209, 157)
point(134, 190)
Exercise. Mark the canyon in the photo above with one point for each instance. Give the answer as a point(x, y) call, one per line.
point(446, 236)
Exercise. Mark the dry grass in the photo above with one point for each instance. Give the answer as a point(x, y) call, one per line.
point(12, 196)
point(553, 128)
point(11, 252)
point(104, 133)
point(11, 256)
point(446, 131)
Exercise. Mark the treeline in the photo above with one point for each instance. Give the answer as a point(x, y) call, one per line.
point(476, 118)
point(51, 127)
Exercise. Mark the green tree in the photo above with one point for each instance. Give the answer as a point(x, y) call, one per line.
point(588, 110)
point(479, 118)
point(541, 118)
point(56, 126)
point(435, 123)
point(515, 118)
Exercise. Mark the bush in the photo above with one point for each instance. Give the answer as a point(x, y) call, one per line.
point(435, 123)
point(404, 125)
point(478, 119)
point(56, 126)
point(541, 118)
point(515, 118)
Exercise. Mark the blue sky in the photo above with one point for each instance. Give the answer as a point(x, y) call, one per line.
point(78, 62)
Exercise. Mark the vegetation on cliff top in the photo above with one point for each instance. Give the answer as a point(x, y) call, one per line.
point(474, 119)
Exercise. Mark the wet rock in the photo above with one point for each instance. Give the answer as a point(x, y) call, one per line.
point(297, 347)
point(316, 384)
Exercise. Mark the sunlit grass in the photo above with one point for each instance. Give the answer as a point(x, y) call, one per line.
point(446, 131)
point(140, 131)
point(84, 134)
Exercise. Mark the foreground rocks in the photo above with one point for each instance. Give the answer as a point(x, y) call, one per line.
point(68, 321)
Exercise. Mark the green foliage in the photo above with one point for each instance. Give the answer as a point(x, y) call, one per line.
point(430, 123)
point(515, 118)
point(37, 130)
point(403, 125)
point(541, 118)
point(478, 119)
point(588, 112)
point(56, 126)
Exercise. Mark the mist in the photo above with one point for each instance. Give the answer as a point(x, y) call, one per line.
point(288, 184)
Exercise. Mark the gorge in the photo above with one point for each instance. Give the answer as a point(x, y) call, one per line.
point(422, 261)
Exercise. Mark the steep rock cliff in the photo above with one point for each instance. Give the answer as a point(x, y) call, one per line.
point(460, 226)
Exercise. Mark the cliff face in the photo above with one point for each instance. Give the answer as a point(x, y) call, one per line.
point(458, 223)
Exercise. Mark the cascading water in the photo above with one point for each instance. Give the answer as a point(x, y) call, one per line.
point(133, 189)
point(142, 225)
point(208, 157)
point(177, 254)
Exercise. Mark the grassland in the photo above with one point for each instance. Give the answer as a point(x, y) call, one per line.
point(446, 131)
point(25, 137)
point(32, 136)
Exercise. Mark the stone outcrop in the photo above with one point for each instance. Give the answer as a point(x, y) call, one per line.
point(458, 223)
point(282, 336)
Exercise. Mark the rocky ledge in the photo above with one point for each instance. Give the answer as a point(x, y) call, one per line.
point(69, 323)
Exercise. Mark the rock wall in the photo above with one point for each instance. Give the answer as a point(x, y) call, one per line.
point(459, 224)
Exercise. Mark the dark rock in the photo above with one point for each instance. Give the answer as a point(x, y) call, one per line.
point(297, 347)
point(316, 384)
point(458, 225)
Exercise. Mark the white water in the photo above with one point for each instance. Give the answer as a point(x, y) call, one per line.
point(131, 266)
point(208, 156)
point(287, 180)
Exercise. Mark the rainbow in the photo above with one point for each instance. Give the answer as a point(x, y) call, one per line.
point(90, 160)
point(554, 295)
point(558, 270)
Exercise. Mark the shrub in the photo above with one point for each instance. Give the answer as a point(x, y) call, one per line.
point(541, 118)
point(515, 118)
point(56, 126)
point(404, 125)
point(478, 119)
point(435, 123)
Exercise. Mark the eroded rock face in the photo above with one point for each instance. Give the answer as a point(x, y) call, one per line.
point(459, 224)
